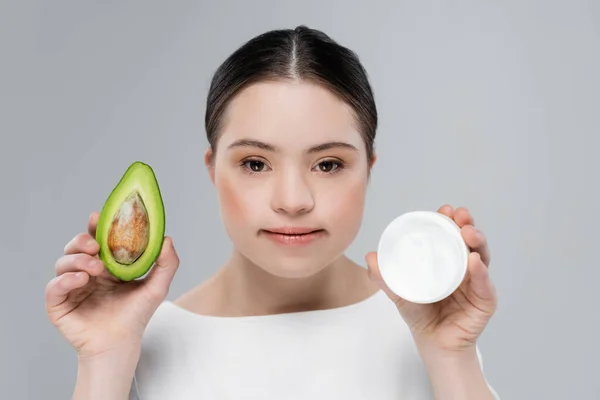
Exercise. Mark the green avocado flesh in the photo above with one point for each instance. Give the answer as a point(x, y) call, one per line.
point(138, 178)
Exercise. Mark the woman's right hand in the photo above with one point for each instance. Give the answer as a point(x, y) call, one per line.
point(95, 312)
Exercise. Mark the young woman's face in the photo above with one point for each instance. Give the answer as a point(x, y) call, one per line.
point(290, 161)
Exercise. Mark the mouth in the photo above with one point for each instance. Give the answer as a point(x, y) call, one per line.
point(292, 230)
point(293, 236)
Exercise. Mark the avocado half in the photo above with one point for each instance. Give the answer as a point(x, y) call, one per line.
point(138, 180)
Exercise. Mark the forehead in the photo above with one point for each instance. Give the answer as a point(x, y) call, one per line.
point(289, 113)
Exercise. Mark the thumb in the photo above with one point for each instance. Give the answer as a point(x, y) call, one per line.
point(480, 288)
point(160, 277)
point(375, 276)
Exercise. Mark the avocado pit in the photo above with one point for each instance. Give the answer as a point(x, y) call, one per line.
point(129, 231)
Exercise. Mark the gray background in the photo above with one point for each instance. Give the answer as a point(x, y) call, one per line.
point(491, 105)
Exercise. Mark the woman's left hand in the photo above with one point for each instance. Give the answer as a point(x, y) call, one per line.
point(454, 323)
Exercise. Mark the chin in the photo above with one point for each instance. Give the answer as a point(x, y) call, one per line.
point(292, 269)
point(291, 266)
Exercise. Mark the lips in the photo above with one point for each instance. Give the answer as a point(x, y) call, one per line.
point(293, 236)
point(292, 230)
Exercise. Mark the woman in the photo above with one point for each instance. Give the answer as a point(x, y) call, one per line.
point(291, 122)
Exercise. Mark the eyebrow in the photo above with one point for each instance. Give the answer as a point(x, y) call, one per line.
point(269, 147)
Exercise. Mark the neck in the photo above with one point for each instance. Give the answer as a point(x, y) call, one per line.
point(247, 289)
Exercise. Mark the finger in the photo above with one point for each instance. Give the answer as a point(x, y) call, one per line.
point(85, 244)
point(375, 276)
point(82, 243)
point(480, 290)
point(79, 262)
point(161, 275)
point(59, 287)
point(477, 242)
point(463, 217)
point(447, 210)
point(93, 223)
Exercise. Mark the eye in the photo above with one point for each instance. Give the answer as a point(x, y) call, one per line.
point(329, 166)
point(254, 165)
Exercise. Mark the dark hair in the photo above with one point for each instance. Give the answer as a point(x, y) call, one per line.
point(301, 53)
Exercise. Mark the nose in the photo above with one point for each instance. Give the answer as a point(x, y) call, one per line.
point(291, 194)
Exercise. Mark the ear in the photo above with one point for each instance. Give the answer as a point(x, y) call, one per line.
point(374, 159)
point(208, 161)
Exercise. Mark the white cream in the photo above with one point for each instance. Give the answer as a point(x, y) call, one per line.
point(422, 256)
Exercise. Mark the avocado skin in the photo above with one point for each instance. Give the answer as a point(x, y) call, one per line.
point(140, 177)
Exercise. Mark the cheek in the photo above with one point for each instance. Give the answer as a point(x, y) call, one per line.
point(345, 203)
point(241, 200)
point(231, 200)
